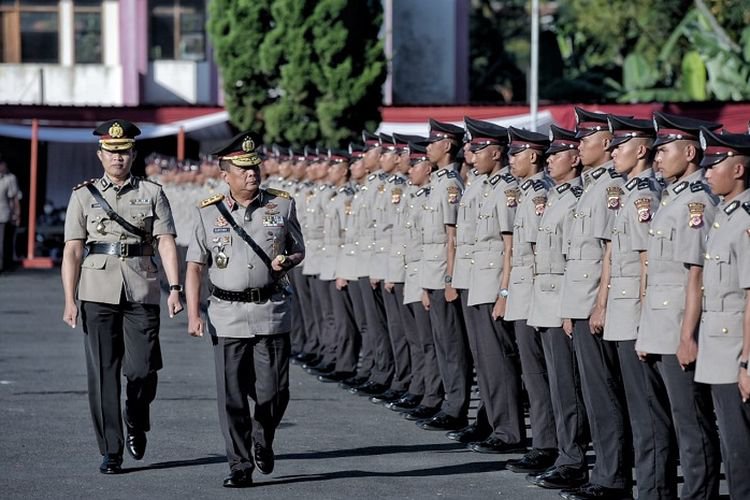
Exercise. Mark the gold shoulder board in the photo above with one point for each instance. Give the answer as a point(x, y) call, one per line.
point(278, 192)
point(211, 200)
point(84, 183)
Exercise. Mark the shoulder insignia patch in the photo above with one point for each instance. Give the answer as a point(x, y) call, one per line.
point(697, 186)
point(495, 179)
point(643, 206)
point(696, 214)
point(382, 176)
point(422, 191)
point(539, 185)
point(371, 177)
point(452, 174)
point(577, 191)
point(632, 183)
point(211, 200)
point(746, 206)
point(475, 171)
point(613, 197)
point(278, 193)
point(84, 183)
point(511, 197)
point(539, 203)
point(441, 172)
point(732, 207)
point(614, 173)
point(526, 185)
point(453, 192)
point(562, 188)
point(392, 178)
point(509, 178)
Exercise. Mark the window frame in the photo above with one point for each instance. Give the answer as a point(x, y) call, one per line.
point(89, 9)
point(15, 49)
point(176, 9)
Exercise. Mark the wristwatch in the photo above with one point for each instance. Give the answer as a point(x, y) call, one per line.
point(281, 259)
point(743, 365)
point(504, 293)
point(175, 288)
point(448, 279)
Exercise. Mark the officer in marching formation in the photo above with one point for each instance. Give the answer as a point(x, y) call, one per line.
point(597, 277)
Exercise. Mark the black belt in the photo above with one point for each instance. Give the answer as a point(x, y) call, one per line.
point(121, 249)
point(256, 295)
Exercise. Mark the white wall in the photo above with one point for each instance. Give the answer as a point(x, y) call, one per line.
point(177, 82)
point(52, 84)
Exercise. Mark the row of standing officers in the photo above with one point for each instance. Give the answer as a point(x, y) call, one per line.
point(603, 269)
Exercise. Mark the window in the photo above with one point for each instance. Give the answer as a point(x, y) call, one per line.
point(87, 17)
point(30, 31)
point(177, 29)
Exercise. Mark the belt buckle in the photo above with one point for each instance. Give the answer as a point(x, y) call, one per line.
point(255, 295)
point(123, 250)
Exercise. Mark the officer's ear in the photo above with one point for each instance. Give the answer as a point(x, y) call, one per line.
point(643, 151)
point(691, 153)
point(534, 158)
point(739, 169)
point(99, 155)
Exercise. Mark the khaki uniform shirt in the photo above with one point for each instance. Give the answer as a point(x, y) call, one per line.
point(466, 228)
point(549, 258)
point(726, 280)
point(270, 220)
point(337, 211)
point(315, 220)
point(400, 188)
point(381, 225)
point(592, 224)
point(677, 239)
point(525, 227)
point(629, 239)
point(104, 278)
point(417, 204)
point(8, 193)
point(496, 213)
point(440, 210)
point(354, 256)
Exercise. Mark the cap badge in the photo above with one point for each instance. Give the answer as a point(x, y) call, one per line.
point(248, 145)
point(115, 131)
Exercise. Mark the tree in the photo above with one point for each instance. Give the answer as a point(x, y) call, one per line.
point(237, 28)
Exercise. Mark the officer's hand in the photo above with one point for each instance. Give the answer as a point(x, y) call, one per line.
point(389, 287)
point(276, 264)
point(70, 315)
point(744, 384)
point(643, 356)
point(374, 284)
point(567, 327)
point(341, 283)
point(195, 326)
point(451, 293)
point(687, 352)
point(174, 305)
point(425, 300)
point(498, 310)
point(596, 321)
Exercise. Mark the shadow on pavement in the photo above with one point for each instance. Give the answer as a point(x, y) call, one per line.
point(213, 459)
point(371, 450)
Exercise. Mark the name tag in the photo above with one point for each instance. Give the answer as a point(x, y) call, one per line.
point(221, 230)
point(143, 201)
point(96, 205)
point(273, 220)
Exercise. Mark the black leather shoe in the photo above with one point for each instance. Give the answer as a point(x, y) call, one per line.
point(353, 382)
point(469, 434)
point(421, 412)
point(239, 479)
point(561, 478)
point(112, 464)
point(496, 446)
point(595, 492)
point(335, 377)
point(369, 389)
point(322, 370)
point(406, 402)
point(442, 422)
point(305, 357)
point(387, 397)
point(313, 363)
point(534, 462)
point(264, 458)
point(135, 442)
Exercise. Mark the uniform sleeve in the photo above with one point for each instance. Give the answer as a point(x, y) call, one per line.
point(163, 221)
point(603, 217)
point(690, 241)
point(295, 244)
point(450, 199)
point(505, 214)
point(197, 250)
point(13, 188)
point(743, 254)
point(75, 220)
point(640, 219)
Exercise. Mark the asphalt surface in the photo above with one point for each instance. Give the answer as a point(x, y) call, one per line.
point(331, 444)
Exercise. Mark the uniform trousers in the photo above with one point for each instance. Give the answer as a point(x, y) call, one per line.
point(567, 399)
point(345, 328)
point(312, 332)
point(498, 372)
point(651, 424)
point(536, 381)
point(733, 417)
point(416, 350)
point(377, 330)
point(323, 311)
point(481, 423)
point(394, 302)
point(605, 406)
point(125, 337)
point(298, 336)
point(7, 233)
point(255, 368)
point(360, 315)
point(433, 393)
point(695, 425)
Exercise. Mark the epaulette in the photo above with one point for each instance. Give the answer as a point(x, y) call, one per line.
point(211, 200)
point(278, 193)
point(452, 174)
point(732, 207)
point(475, 171)
point(526, 185)
point(562, 188)
point(681, 187)
point(697, 186)
point(632, 183)
point(598, 172)
point(614, 173)
point(577, 191)
point(401, 180)
point(746, 206)
point(322, 187)
point(539, 185)
point(508, 178)
point(646, 183)
point(424, 190)
point(495, 179)
point(84, 183)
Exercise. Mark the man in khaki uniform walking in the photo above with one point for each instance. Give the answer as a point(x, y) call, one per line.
point(111, 228)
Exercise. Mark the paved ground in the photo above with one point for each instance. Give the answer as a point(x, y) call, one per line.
point(331, 445)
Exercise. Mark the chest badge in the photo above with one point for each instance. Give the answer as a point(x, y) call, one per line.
point(696, 214)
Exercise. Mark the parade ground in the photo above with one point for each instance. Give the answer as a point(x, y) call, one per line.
point(331, 444)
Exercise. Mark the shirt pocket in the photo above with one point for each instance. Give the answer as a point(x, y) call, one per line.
point(625, 288)
point(660, 297)
point(95, 261)
point(664, 242)
point(141, 216)
point(726, 324)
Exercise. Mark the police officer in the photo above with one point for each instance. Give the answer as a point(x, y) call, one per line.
point(10, 213)
point(247, 238)
point(111, 228)
point(584, 301)
point(724, 341)
point(645, 393)
point(671, 310)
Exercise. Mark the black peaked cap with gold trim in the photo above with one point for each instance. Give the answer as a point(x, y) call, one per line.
point(240, 151)
point(482, 133)
point(624, 128)
point(117, 134)
point(589, 122)
point(671, 128)
point(719, 147)
point(561, 139)
point(521, 140)
point(442, 130)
